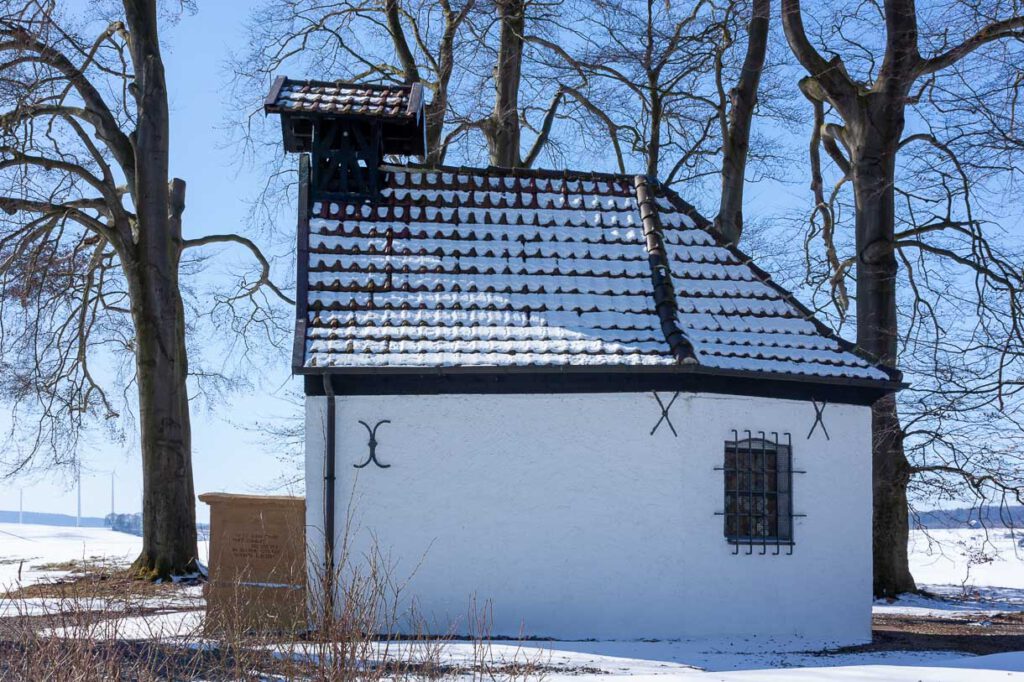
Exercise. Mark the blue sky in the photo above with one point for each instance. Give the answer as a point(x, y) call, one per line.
point(227, 456)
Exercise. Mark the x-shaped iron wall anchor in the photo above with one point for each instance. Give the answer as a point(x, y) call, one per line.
point(819, 418)
point(373, 444)
point(664, 413)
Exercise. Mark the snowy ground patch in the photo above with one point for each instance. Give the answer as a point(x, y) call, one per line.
point(963, 559)
point(978, 669)
point(975, 576)
point(949, 602)
point(968, 572)
point(41, 553)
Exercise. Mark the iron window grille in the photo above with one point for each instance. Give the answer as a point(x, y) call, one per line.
point(758, 482)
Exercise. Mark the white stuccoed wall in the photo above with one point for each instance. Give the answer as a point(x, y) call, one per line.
point(575, 522)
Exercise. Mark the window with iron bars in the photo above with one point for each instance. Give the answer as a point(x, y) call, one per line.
point(758, 477)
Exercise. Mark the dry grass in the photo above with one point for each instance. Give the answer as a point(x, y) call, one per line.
point(96, 578)
point(99, 624)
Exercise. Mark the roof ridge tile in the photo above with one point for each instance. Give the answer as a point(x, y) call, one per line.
point(661, 275)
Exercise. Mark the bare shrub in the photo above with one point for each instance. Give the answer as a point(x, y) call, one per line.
point(74, 629)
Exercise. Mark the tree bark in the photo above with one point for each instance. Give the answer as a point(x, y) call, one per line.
point(890, 521)
point(437, 109)
point(503, 130)
point(654, 143)
point(168, 513)
point(735, 146)
point(874, 118)
point(874, 141)
point(434, 111)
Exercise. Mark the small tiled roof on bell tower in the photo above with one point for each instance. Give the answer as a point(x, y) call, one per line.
point(396, 108)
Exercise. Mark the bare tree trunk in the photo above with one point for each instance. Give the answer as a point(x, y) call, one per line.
point(434, 118)
point(503, 131)
point(438, 108)
point(736, 142)
point(168, 514)
point(654, 143)
point(169, 530)
point(890, 524)
point(874, 121)
point(434, 111)
point(874, 142)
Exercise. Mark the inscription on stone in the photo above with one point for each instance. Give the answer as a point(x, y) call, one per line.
point(250, 544)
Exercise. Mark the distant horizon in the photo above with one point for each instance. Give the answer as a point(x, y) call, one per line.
point(36, 518)
point(955, 517)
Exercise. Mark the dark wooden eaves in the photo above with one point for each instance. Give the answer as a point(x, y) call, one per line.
point(526, 379)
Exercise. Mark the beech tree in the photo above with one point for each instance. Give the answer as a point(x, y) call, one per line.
point(674, 84)
point(735, 123)
point(470, 57)
point(506, 68)
point(393, 41)
point(896, 95)
point(92, 252)
point(501, 128)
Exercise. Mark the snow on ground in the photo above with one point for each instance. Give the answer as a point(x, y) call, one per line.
point(968, 557)
point(187, 598)
point(163, 624)
point(952, 603)
point(973, 572)
point(726, 655)
point(30, 549)
point(978, 669)
point(684, 657)
point(35, 549)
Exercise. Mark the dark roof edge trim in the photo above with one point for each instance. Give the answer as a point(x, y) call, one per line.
point(661, 275)
point(275, 90)
point(894, 374)
point(554, 383)
point(687, 369)
point(415, 100)
point(302, 265)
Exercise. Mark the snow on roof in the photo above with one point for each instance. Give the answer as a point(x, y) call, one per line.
point(458, 267)
point(340, 98)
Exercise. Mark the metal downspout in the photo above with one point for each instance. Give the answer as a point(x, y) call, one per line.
point(329, 478)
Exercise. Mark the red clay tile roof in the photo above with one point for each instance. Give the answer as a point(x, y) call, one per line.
point(334, 98)
point(457, 267)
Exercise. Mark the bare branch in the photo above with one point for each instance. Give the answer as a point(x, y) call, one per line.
point(264, 279)
point(998, 30)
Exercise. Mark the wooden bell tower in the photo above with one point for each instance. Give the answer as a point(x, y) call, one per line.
point(348, 129)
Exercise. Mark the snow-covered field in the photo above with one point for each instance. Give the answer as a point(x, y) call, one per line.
point(974, 572)
point(30, 549)
point(31, 554)
point(975, 557)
